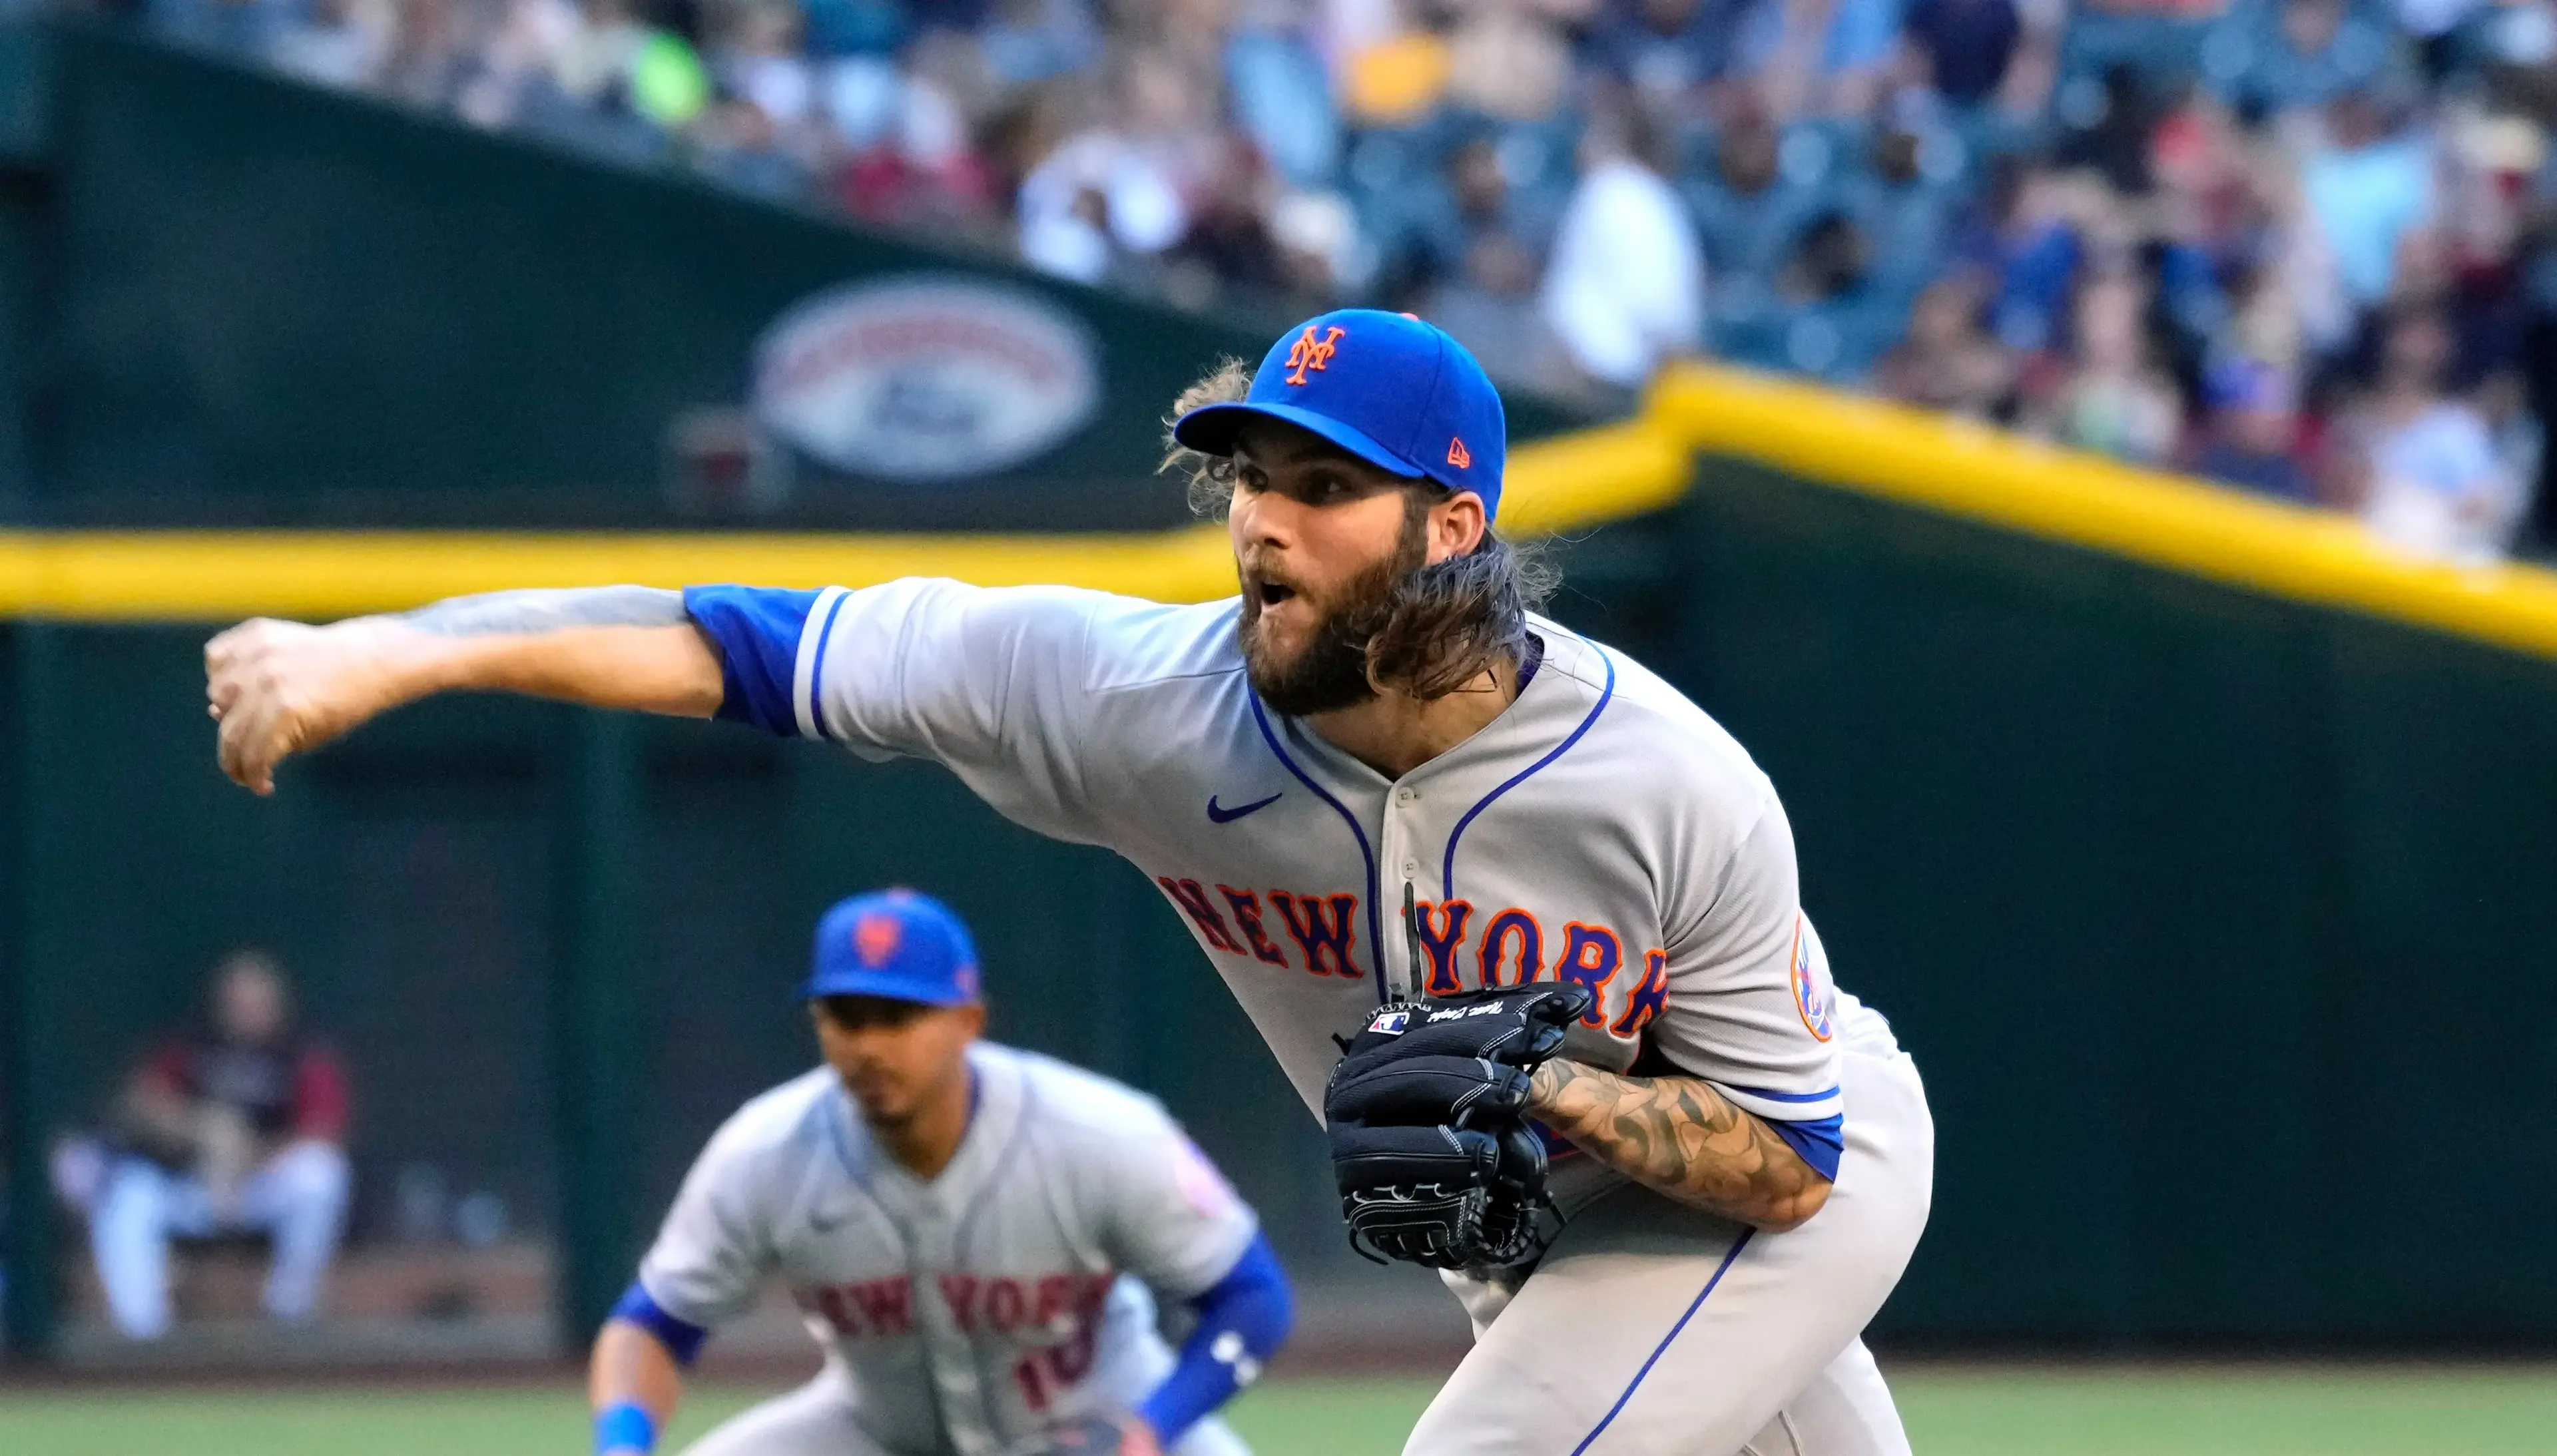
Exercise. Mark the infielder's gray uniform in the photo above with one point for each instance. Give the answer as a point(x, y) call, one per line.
point(1601, 829)
point(959, 1315)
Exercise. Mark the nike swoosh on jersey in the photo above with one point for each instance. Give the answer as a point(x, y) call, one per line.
point(1228, 816)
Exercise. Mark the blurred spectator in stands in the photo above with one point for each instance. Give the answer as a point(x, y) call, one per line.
point(2520, 443)
point(2368, 186)
point(1476, 273)
point(235, 1126)
point(2435, 27)
point(594, 63)
point(522, 52)
point(669, 85)
point(2206, 199)
point(2203, 226)
point(1317, 241)
point(949, 103)
point(2289, 302)
point(1025, 41)
point(1948, 361)
point(1227, 242)
point(742, 145)
point(2253, 438)
point(2264, 320)
point(2425, 463)
point(1283, 96)
point(758, 133)
point(1905, 213)
point(760, 58)
point(2114, 401)
point(430, 55)
point(2270, 58)
point(1445, 220)
point(1664, 53)
point(2036, 254)
point(2106, 126)
point(1393, 67)
point(337, 43)
point(1962, 48)
point(1747, 212)
point(2537, 250)
point(1826, 318)
point(1825, 58)
point(1115, 191)
point(1625, 287)
point(1507, 60)
point(2483, 185)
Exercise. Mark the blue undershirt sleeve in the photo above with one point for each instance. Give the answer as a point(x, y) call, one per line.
point(682, 1338)
point(1820, 1142)
point(757, 631)
point(1243, 1319)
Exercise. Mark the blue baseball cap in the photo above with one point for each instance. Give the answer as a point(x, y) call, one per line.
point(896, 944)
point(1396, 392)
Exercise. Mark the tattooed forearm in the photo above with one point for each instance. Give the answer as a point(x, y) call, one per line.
point(497, 612)
point(1681, 1136)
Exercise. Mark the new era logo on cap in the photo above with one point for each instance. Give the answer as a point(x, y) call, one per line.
point(1458, 456)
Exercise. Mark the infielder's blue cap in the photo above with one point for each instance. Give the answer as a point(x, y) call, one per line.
point(897, 944)
point(1396, 392)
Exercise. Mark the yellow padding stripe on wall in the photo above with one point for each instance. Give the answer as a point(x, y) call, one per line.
point(203, 575)
point(2007, 480)
point(1568, 484)
point(1561, 484)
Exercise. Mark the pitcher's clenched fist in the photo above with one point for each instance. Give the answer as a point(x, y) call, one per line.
point(283, 688)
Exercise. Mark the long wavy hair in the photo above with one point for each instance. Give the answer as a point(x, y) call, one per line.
point(1441, 624)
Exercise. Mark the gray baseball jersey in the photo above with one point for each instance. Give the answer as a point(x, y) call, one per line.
point(1602, 828)
point(1005, 1294)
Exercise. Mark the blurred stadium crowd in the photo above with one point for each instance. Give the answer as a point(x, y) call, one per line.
point(2300, 246)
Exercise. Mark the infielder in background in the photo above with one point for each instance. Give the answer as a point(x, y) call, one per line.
point(1374, 776)
point(970, 1230)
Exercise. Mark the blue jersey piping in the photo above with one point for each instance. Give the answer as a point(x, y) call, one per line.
point(1447, 871)
point(817, 669)
point(1374, 926)
point(1661, 1347)
point(1824, 1095)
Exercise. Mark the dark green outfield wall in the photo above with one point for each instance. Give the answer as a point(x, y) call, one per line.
point(2226, 930)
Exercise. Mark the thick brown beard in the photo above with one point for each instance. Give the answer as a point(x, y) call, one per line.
point(1331, 673)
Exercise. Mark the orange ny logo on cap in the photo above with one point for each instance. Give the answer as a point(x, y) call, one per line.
point(1310, 352)
point(875, 936)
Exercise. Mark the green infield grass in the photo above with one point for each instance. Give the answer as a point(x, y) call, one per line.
point(2346, 1410)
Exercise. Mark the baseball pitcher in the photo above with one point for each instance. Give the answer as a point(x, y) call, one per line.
point(971, 1233)
point(1596, 1069)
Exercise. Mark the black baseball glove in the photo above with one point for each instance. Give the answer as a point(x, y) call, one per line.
point(1430, 1146)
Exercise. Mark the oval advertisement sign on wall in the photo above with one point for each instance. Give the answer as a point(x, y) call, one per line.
point(925, 378)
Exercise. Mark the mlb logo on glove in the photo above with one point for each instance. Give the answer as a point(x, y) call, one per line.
point(1430, 1143)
